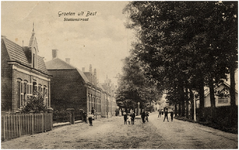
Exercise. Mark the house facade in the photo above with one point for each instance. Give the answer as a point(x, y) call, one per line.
point(93, 92)
point(78, 89)
point(69, 85)
point(222, 96)
point(23, 72)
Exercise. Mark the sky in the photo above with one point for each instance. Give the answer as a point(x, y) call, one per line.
point(102, 41)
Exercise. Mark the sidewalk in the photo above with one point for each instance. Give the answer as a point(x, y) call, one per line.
point(78, 121)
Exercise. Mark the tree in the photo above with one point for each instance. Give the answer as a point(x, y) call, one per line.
point(35, 104)
point(134, 86)
point(185, 44)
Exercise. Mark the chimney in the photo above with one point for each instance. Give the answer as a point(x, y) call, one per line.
point(68, 60)
point(90, 70)
point(83, 69)
point(22, 43)
point(54, 53)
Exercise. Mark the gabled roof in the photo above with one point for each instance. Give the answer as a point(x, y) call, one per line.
point(225, 84)
point(58, 64)
point(100, 86)
point(17, 53)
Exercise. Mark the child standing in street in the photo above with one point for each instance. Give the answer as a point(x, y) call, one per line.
point(159, 113)
point(132, 118)
point(125, 117)
point(171, 114)
point(165, 113)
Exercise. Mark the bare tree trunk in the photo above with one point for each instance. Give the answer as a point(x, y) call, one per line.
point(233, 97)
point(192, 103)
point(212, 98)
point(186, 102)
point(201, 93)
point(182, 100)
point(176, 110)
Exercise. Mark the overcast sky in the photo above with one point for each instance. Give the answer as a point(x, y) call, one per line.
point(102, 41)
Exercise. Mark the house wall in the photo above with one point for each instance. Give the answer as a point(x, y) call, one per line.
point(207, 102)
point(6, 80)
point(94, 96)
point(68, 90)
point(103, 104)
point(19, 74)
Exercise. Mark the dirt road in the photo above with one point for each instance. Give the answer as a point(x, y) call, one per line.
point(113, 134)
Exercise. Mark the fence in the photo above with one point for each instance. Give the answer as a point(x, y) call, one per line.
point(16, 125)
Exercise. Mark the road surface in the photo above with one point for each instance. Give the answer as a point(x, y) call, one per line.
point(113, 134)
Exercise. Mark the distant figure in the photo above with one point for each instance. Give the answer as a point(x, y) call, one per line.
point(84, 117)
point(132, 118)
point(147, 116)
point(143, 116)
point(165, 113)
point(125, 117)
point(162, 111)
point(92, 111)
point(171, 114)
point(159, 113)
point(129, 119)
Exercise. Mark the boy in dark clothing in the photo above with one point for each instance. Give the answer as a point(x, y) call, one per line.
point(171, 114)
point(92, 111)
point(132, 118)
point(143, 116)
point(125, 117)
point(165, 113)
point(84, 117)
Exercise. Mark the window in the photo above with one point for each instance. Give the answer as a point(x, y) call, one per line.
point(24, 93)
point(40, 88)
point(18, 93)
point(45, 96)
point(34, 87)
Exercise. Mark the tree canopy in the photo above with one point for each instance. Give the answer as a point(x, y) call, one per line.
point(185, 45)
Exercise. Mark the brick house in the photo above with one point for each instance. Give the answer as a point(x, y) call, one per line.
point(22, 72)
point(71, 87)
point(93, 92)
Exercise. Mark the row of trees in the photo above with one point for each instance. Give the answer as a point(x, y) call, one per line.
point(185, 46)
point(134, 87)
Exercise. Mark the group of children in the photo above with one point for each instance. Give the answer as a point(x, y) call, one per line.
point(129, 118)
point(165, 112)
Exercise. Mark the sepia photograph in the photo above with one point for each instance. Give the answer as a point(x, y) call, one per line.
point(119, 74)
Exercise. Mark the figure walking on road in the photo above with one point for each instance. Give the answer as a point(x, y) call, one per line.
point(125, 117)
point(159, 113)
point(92, 111)
point(84, 116)
point(132, 118)
point(143, 116)
point(165, 113)
point(171, 114)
